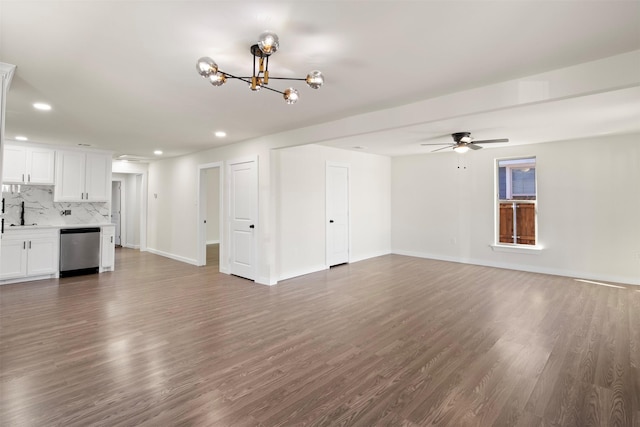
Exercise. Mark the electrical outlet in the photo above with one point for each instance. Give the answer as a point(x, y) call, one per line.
point(67, 211)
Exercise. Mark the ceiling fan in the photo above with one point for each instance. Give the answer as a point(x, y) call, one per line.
point(462, 142)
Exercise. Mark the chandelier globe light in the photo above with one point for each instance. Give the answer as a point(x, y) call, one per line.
point(268, 44)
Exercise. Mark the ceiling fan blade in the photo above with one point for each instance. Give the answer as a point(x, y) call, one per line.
point(473, 146)
point(437, 143)
point(443, 148)
point(491, 141)
point(433, 138)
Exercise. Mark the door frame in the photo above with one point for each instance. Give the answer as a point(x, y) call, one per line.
point(326, 206)
point(123, 230)
point(230, 195)
point(201, 230)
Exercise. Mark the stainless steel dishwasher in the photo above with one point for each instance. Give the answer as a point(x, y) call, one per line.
point(79, 251)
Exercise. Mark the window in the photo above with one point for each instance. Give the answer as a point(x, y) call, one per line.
point(517, 204)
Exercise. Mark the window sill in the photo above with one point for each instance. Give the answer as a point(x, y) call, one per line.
point(519, 249)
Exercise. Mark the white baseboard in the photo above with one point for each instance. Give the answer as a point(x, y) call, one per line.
point(302, 272)
point(265, 281)
point(131, 246)
point(369, 255)
point(528, 268)
point(213, 242)
point(172, 256)
point(316, 268)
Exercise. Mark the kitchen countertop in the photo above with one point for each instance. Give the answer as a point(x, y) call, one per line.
point(50, 226)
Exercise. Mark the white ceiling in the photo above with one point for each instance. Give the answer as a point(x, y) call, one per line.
point(121, 75)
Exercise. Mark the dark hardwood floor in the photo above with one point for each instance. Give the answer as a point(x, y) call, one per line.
point(394, 341)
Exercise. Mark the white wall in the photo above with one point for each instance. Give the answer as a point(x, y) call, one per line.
point(588, 207)
point(301, 214)
point(172, 216)
point(213, 205)
point(172, 204)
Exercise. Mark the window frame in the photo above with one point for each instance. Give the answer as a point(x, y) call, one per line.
point(511, 163)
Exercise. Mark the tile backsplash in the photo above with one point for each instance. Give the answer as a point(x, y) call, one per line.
point(39, 208)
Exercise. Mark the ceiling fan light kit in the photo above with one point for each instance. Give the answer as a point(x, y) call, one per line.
point(268, 44)
point(463, 142)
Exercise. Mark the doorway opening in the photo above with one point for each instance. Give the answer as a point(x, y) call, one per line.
point(117, 209)
point(210, 238)
point(128, 210)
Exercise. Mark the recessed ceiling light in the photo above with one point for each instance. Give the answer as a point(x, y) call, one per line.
point(21, 138)
point(220, 134)
point(158, 152)
point(84, 145)
point(359, 147)
point(42, 106)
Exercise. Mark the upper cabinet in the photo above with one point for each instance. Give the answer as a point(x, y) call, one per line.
point(82, 177)
point(23, 164)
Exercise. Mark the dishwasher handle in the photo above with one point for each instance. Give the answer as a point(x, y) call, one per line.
point(79, 230)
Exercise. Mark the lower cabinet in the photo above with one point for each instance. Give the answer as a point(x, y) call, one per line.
point(29, 253)
point(108, 248)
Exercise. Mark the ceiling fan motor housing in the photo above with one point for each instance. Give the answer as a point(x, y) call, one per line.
point(457, 137)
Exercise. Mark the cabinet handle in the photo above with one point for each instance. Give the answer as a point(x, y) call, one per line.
point(111, 239)
point(87, 195)
point(24, 245)
point(29, 176)
point(82, 196)
point(22, 177)
point(29, 244)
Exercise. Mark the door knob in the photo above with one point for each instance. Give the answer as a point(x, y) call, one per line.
point(331, 221)
point(251, 226)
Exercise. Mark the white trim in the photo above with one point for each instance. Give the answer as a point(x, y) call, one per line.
point(498, 201)
point(213, 242)
point(517, 249)
point(174, 257)
point(302, 272)
point(29, 278)
point(527, 268)
point(265, 281)
point(369, 256)
point(131, 246)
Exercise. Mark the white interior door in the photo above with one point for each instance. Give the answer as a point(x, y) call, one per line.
point(116, 211)
point(243, 206)
point(337, 214)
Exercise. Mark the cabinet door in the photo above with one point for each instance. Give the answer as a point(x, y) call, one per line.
point(98, 178)
point(107, 255)
point(42, 256)
point(70, 179)
point(40, 166)
point(14, 164)
point(14, 258)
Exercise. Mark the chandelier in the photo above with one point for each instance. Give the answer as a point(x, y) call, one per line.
point(267, 45)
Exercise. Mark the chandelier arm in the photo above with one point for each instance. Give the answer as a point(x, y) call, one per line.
point(285, 78)
point(272, 90)
point(231, 76)
point(248, 80)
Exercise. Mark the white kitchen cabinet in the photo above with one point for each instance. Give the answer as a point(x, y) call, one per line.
point(82, 177)
point(108, 249)
point(14, 258)
point(29, 253)
point(25, 164)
